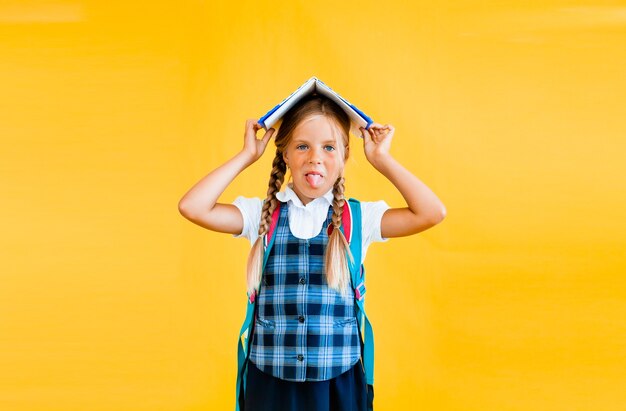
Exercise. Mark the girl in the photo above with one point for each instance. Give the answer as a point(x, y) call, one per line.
point(306, 346)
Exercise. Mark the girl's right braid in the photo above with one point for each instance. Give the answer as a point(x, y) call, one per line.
point(277, 176)
point(255, 258)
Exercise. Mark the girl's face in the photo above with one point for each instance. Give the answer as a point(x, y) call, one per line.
point(315, 157)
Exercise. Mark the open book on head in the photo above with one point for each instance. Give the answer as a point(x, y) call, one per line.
point(357, 117)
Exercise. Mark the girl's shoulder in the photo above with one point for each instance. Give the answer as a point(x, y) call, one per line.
point(250, 208)
point(248, 200)
point(371, 217)
point(371, 209)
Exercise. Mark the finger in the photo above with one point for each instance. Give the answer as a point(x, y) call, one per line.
point(373, 136)
point(385, 130)
point(256, 127)
point(365, 134)
point(268, 134)
point(251, 123)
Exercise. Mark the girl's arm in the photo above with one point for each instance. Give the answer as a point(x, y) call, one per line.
point(424, 208)
point(199, 205)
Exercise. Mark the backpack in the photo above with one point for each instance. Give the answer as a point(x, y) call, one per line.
point(351, 218)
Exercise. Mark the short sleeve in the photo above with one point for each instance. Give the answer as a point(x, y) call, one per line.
point(250, 209)
point(372, 215)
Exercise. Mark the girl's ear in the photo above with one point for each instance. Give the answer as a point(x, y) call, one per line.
point(285, 157)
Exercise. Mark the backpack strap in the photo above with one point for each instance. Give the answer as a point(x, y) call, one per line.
point(357, 276)
point(270, 231)
point(243, 344)
point(346, 223)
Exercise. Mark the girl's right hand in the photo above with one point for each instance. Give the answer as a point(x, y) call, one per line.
point(252, 146)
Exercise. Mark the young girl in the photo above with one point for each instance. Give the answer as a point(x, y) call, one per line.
point(306, 346)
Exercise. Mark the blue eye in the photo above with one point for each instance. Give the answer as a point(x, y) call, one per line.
point(301, 147)
point(329, 148)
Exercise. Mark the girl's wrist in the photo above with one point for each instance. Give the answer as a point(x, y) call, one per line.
point(247, 158)
point(380, 161)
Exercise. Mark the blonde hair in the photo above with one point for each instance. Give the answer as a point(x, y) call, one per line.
point(338, 250)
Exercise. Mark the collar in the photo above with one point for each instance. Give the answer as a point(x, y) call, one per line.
point(290, 195)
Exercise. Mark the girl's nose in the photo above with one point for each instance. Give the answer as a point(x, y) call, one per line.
point(314, 157)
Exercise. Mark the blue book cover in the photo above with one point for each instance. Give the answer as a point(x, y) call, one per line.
point(357, 117)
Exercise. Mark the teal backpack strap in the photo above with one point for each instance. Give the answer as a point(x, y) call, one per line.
point(357, 273)
point(243, 345)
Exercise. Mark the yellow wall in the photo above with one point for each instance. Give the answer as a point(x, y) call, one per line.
point(513, 113)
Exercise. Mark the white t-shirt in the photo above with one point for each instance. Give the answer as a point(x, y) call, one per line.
point(305, 221)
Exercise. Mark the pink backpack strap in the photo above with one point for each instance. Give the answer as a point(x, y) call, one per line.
point(346, 222)
point(273, 224)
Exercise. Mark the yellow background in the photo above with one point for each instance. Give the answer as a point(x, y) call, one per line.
point(513, 113)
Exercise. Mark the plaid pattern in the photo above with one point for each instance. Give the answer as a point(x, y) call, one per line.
point(303, 330)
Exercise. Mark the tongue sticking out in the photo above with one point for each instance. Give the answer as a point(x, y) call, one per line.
point(315, 180)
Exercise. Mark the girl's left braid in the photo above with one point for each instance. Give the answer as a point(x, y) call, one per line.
point(338, 202)
point(338, 250)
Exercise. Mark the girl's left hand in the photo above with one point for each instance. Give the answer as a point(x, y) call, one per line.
point(377, 141)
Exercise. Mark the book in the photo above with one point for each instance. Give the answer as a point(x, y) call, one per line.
point(357, 117)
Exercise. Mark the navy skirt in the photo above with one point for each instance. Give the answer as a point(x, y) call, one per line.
point(346, 392)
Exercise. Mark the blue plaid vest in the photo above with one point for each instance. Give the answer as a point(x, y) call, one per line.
point(303, 329)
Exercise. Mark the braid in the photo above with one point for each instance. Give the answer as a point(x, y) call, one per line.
point(255, 258)
point(338, 202)
point(338, 250)
point(277, 176)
